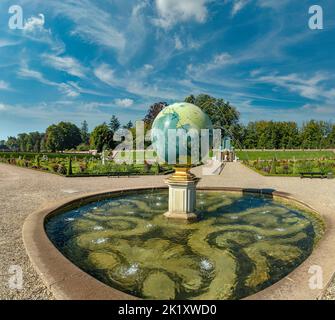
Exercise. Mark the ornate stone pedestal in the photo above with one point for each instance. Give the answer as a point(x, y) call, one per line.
point(182, 195)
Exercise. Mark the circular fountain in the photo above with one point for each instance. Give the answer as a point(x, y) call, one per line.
point(240, 243)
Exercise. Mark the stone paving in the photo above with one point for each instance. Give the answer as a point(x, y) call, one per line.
point(23, 191)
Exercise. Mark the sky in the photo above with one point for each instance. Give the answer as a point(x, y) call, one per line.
point(76, 60)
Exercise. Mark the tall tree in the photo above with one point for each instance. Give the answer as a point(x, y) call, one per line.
point(129, 125)
point(12, 144)
point(101, 138)
point(114, 124)
point(153, 112)
point(85, 136)
point(62, 136)
point(3, 146)
point(314, 134)
point(223, 115)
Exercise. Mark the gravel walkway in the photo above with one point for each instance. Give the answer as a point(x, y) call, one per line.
point(24, 191)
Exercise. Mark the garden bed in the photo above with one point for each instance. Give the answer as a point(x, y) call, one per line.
point(293, 168)
point(80, 165)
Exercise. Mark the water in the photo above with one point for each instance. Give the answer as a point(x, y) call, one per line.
point(241, 245)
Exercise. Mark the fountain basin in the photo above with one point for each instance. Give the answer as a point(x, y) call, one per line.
point(67, 281)
point(187, 270)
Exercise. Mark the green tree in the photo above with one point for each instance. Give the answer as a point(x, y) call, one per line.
point(129, 125)
point(314, 134)
point(223, 115)
point(114, 124)
point(23, 142)
point(153, 112)
point(62, 136)
point(330, 137)
point(85, 136)
point(12, 144)
point(69, 168)
point(101, 138)
point(3, 146)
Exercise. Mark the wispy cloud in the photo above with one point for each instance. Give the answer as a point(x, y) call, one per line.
point(4, 85)
point(66, 88)
point(91, 23)
point(136, 83)
point(238, 5)
point(67, 64)
point(309, 87)
point(8, 43)
point(171, 12)
point(200, 71)
point(34, 29)
point(3, 107)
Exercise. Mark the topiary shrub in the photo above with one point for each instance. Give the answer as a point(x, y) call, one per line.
point(69, 168)
point(82, 167)
point(273, 166)
point(37, 161)
point(61, 170)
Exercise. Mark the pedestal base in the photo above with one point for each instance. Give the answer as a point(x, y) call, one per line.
point(182, 195)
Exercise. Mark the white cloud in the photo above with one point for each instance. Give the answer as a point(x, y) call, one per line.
point(3, 107)
point(307, 87)
point(200, 71)
point(273, 4)
point(172, 12)
point(67, 64)
point(135, 83)
point(319, 109)
point(91, 22)
point(34, 24)
point(66, 88)
point(25, 72)
point(4, 85)
point(34, 30)
point(238, 5)
point(7, 43)
point(126, 103)
point(106, 74)
point(178, 44)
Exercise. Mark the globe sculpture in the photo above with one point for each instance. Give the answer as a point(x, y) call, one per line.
point(184, 116)
point(169, 148)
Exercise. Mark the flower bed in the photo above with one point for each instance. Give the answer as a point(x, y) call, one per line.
point(291, 167)
point(83, 165)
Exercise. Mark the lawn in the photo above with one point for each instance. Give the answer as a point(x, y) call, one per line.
point(285, 155)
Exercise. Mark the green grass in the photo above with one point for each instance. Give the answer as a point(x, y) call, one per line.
point(284, 155)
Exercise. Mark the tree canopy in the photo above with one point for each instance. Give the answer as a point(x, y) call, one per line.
point(101, 138)
point(114, 124)
point(153, 112)
point(223, 115)
point(62, 136)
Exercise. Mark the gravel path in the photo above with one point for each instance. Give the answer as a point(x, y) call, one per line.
point(24, 191)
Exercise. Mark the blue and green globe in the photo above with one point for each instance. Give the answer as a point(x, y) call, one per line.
point(184, 116)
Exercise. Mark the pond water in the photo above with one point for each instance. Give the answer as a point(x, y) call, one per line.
point(242, 244)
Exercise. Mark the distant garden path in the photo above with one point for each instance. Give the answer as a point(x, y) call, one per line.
point(24, 191)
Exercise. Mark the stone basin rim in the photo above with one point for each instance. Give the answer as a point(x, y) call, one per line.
point(68, 282)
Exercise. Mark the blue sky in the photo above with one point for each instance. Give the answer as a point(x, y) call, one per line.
point(81, 60)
